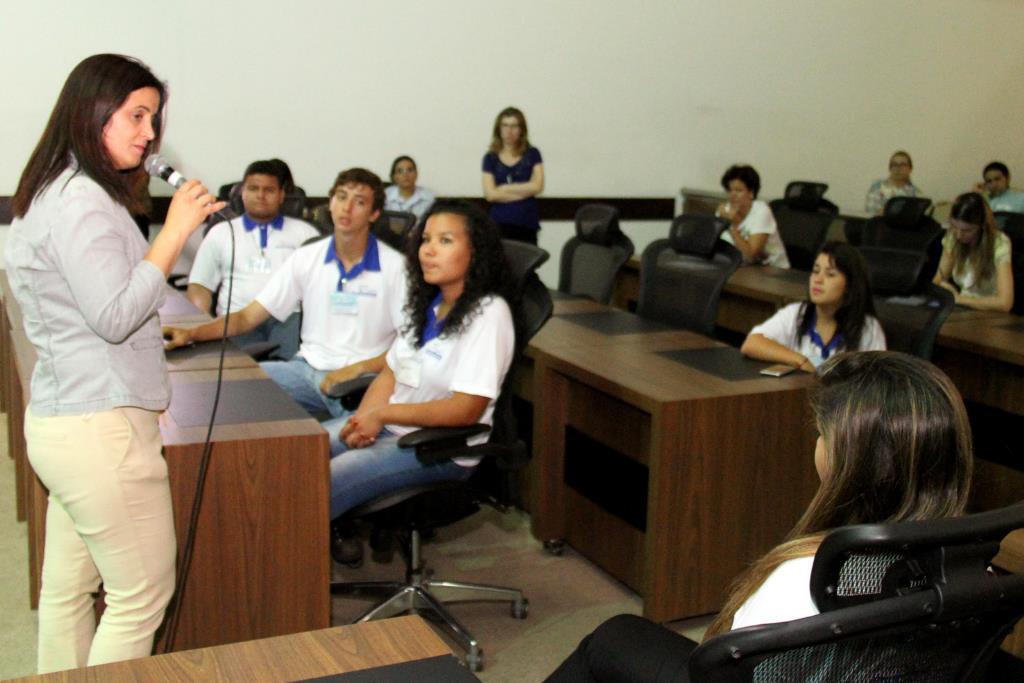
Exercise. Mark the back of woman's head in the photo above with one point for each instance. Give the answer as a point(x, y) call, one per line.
point(897, 442)
point(93, 91)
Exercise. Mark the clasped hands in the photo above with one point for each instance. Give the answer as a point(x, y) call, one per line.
point(361, 429)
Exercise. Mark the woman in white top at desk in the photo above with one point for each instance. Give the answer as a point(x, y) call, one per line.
point(975, 262)
point(445, 369)
point(838, 315)
point(89, 287)
point(404, 194)
point(894, 445)
point(752, 227)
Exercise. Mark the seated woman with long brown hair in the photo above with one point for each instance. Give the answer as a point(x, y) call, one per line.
point(894, 445)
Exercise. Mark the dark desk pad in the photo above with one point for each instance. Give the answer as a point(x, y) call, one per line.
point(1014, 327)
point(177, 305)
point(615, 322)
point(794, 276)
point(201, 350)
point(724, 362)
point(250, 400)
point(440, 669)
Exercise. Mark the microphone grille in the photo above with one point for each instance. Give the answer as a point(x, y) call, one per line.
point(155, 165)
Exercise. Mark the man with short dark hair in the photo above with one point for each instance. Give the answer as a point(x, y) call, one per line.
point(264, 239)
point(995, 186)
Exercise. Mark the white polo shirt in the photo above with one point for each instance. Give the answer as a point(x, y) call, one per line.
point(761, 221)
point(782, 328)
point(474, 361)
point(340, 326)
point(254, 264)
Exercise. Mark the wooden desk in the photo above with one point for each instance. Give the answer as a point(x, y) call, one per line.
point(718, 454)
point(260, 565)
point(293, 657)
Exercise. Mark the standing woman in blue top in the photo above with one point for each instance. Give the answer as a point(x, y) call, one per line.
point(89, 287)
point(513, 176)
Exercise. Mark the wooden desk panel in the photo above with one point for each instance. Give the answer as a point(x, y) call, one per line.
point(719, 454)
point(293, 657)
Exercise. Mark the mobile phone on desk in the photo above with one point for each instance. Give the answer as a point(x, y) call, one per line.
point(780, 370)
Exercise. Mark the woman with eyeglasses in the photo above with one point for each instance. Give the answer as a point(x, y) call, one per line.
point(896, 185)
point(404, 194)
point(976, 257)
point(513, 176)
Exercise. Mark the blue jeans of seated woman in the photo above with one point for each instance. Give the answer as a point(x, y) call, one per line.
point(362, 474)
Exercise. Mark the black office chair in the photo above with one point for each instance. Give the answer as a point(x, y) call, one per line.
point(413, 510)
point(914, 601)
point(391, 227)
point(906, 224)
point(1013, 225)
point(909, 307)
point(681, 278)
point(591, 259)
point(803, 216)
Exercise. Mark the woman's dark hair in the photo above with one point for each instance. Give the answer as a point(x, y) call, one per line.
point(398, 160)
point(745, 174)
point(897, 448)
point(488, 274)
point(857, 303)
point(524, 134)
point(94, 90)
point(972, 208)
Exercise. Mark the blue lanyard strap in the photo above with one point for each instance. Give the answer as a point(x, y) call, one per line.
point(251, 225)
point(370, 262)
point(826, 349)
point(432, 328)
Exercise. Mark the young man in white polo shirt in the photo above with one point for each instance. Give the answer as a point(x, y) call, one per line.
point(264, 239)
point(352, 290)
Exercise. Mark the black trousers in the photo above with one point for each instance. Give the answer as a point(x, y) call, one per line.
point(627, 649)
point(521, 233)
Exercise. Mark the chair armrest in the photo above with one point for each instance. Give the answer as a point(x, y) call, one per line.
point(435, 438)
point(179, 281)
point(261, 350)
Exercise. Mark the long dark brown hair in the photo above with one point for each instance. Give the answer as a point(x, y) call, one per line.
point(897, 447)
point(94, 90)
point(857, 303)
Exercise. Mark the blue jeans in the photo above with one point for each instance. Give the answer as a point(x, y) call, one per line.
point(361, 474)
point(302, 382)
point(285, 334)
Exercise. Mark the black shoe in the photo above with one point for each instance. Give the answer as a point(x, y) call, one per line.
point(346, 548)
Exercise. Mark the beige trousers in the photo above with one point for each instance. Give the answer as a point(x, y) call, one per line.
point(109, 520)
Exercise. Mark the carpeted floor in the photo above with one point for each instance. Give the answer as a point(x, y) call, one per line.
point(568, 595)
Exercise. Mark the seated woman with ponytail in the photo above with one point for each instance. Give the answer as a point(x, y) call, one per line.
point(894, 445)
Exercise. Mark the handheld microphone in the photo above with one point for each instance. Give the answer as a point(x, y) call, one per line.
point(158, 167)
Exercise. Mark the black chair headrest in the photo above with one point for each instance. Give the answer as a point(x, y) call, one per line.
point(597, 224)
point(894, 272)
point(804, 195)
point(905, 213)
point(696, 234)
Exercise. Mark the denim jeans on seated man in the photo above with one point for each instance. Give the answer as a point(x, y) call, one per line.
point(361, 474)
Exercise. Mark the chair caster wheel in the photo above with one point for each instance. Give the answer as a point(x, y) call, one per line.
point(555, 546)
point(520, 608)
point(475, 660)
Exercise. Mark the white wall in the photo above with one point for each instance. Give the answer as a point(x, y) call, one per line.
point(623, 99)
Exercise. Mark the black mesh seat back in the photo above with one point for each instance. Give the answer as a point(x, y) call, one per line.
point(911, 324)
point(906, 213)
point(589, 269)
point(803, 233)
point(391, 227)
point(597, 223)
point(523, 258)
point(683, 290)
point(896, 271)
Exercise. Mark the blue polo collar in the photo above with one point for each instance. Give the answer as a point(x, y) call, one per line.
point(251, 225)
point(833, 344)
point(432, 327)
point(370, 261)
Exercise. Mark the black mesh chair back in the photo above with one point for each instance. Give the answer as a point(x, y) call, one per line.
point(523, 258)
point(1013, 225)
point(896, 272)
point(914, 601)
point(591, 259)
point(802, 231)
point(905, 224)
point(681, 278)
point(391, 227)
point(912, 323)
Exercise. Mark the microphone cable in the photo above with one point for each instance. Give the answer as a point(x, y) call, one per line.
point(204, 464)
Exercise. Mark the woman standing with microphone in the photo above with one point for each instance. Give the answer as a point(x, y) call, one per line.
point(89, 287)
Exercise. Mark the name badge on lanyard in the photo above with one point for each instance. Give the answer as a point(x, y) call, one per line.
point(260, 264)
point(344, 303)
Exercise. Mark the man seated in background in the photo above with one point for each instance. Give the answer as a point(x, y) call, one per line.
point(352, 290)
point(264, 239)
point(996, 189)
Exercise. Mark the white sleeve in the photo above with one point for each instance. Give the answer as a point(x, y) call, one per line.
point(872, 338)
point(760, 220)
point(397, 293)
point(782, 327)
point(206, 268)
point(283, 292)
point(784, 596)
point(485, 351)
